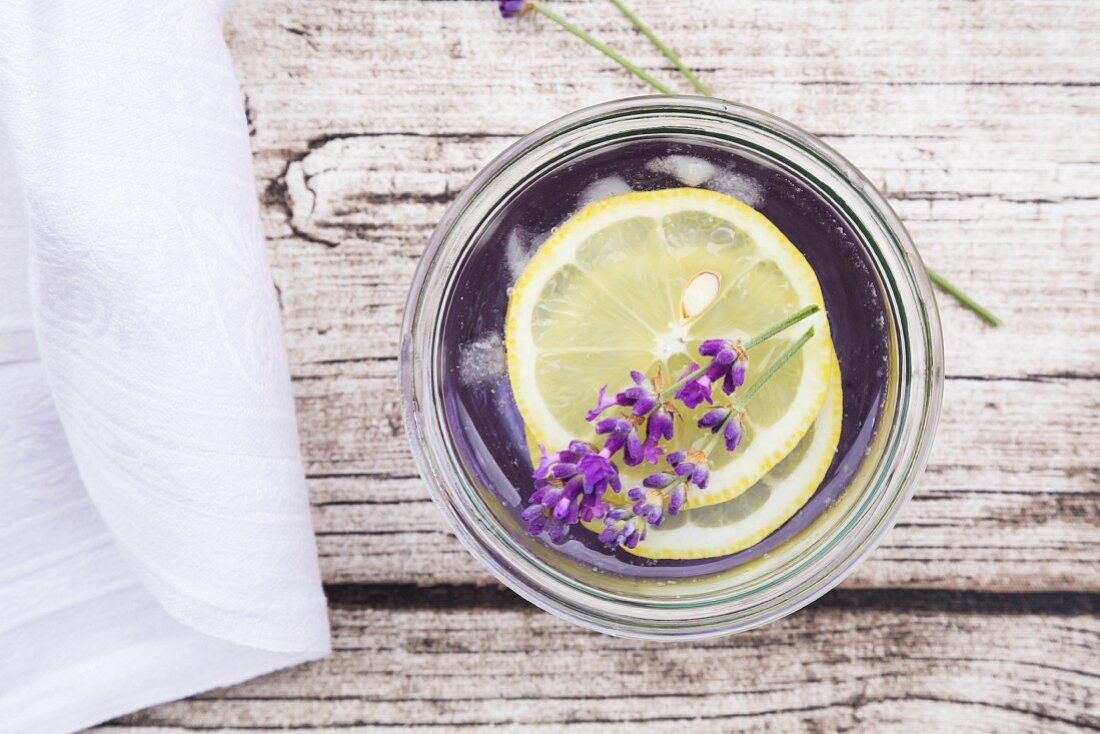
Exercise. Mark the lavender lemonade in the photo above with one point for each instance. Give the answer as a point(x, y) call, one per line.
point(687, 506)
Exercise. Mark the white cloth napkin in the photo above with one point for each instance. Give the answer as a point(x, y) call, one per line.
point(155, 537)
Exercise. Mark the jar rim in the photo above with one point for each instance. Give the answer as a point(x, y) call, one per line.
point(918, 395)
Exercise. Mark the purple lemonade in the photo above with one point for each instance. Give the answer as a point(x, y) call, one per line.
point(481, 416)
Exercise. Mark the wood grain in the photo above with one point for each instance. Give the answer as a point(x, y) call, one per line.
point(853, 663)
point(978, 120)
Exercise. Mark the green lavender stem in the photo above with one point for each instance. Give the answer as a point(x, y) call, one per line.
point(962, 298)
point(775, 329)
point(745, 398)
point(601, 47)
point(668, 52)
point(759, 338)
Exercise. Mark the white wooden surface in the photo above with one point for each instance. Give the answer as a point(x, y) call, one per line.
point(981, 122)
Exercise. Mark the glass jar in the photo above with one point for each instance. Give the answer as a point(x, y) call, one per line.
point(471, 466)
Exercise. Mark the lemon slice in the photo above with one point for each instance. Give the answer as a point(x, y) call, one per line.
point(637, 282)
point(737, 524)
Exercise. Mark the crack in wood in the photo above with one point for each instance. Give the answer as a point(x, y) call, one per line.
point(906, 600)
point(1047, 377)
point(360, 475)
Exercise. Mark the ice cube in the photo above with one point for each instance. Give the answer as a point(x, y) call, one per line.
point(481, 362)
point(739, 186)
point(517, 251)
point(604, 188)
point(687, 169)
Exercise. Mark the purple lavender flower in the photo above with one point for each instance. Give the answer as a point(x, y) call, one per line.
point(616, 430)
point(735, 378)
point(574, 503)
point(602, 403)
point(728, 363)
point(660, 493)
point(663, 492)
point(548, 463)
point(676, 498)
point(622, 434)
point(599, 473)
point(660, 480)
point(729, 422)
point(535, 517)
point(566, 508)
point(693, 392)
point(648, 503)
point(612, 525)
point(714, 419)
point(676, 457)
point(543, 468)
point(547, 493)
point(641, 398)
point(538, 518)
point(735, 431)
point(592, 508)
point(622, 528)
point(512, 8)
point(691, 464)
point(714, 347)
point(563, 494)
point(659, 426)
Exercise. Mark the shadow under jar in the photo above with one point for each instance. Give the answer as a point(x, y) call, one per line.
point(468, 436)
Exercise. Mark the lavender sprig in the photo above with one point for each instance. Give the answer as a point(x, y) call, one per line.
point(698, 375)
point(663, 491)
point(570, 485)
point(729, 362)
point(623, 528)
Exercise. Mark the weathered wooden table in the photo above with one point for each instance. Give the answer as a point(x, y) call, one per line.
point(980, 120)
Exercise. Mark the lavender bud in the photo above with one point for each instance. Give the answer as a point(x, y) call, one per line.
point(676, 499)
point(734, 433)
point(713, 419)
point(700, 475)
point(512, 8)
point(660, 480)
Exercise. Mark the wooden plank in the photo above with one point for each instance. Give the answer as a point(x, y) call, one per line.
point(849, 664)
point(848, 67)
